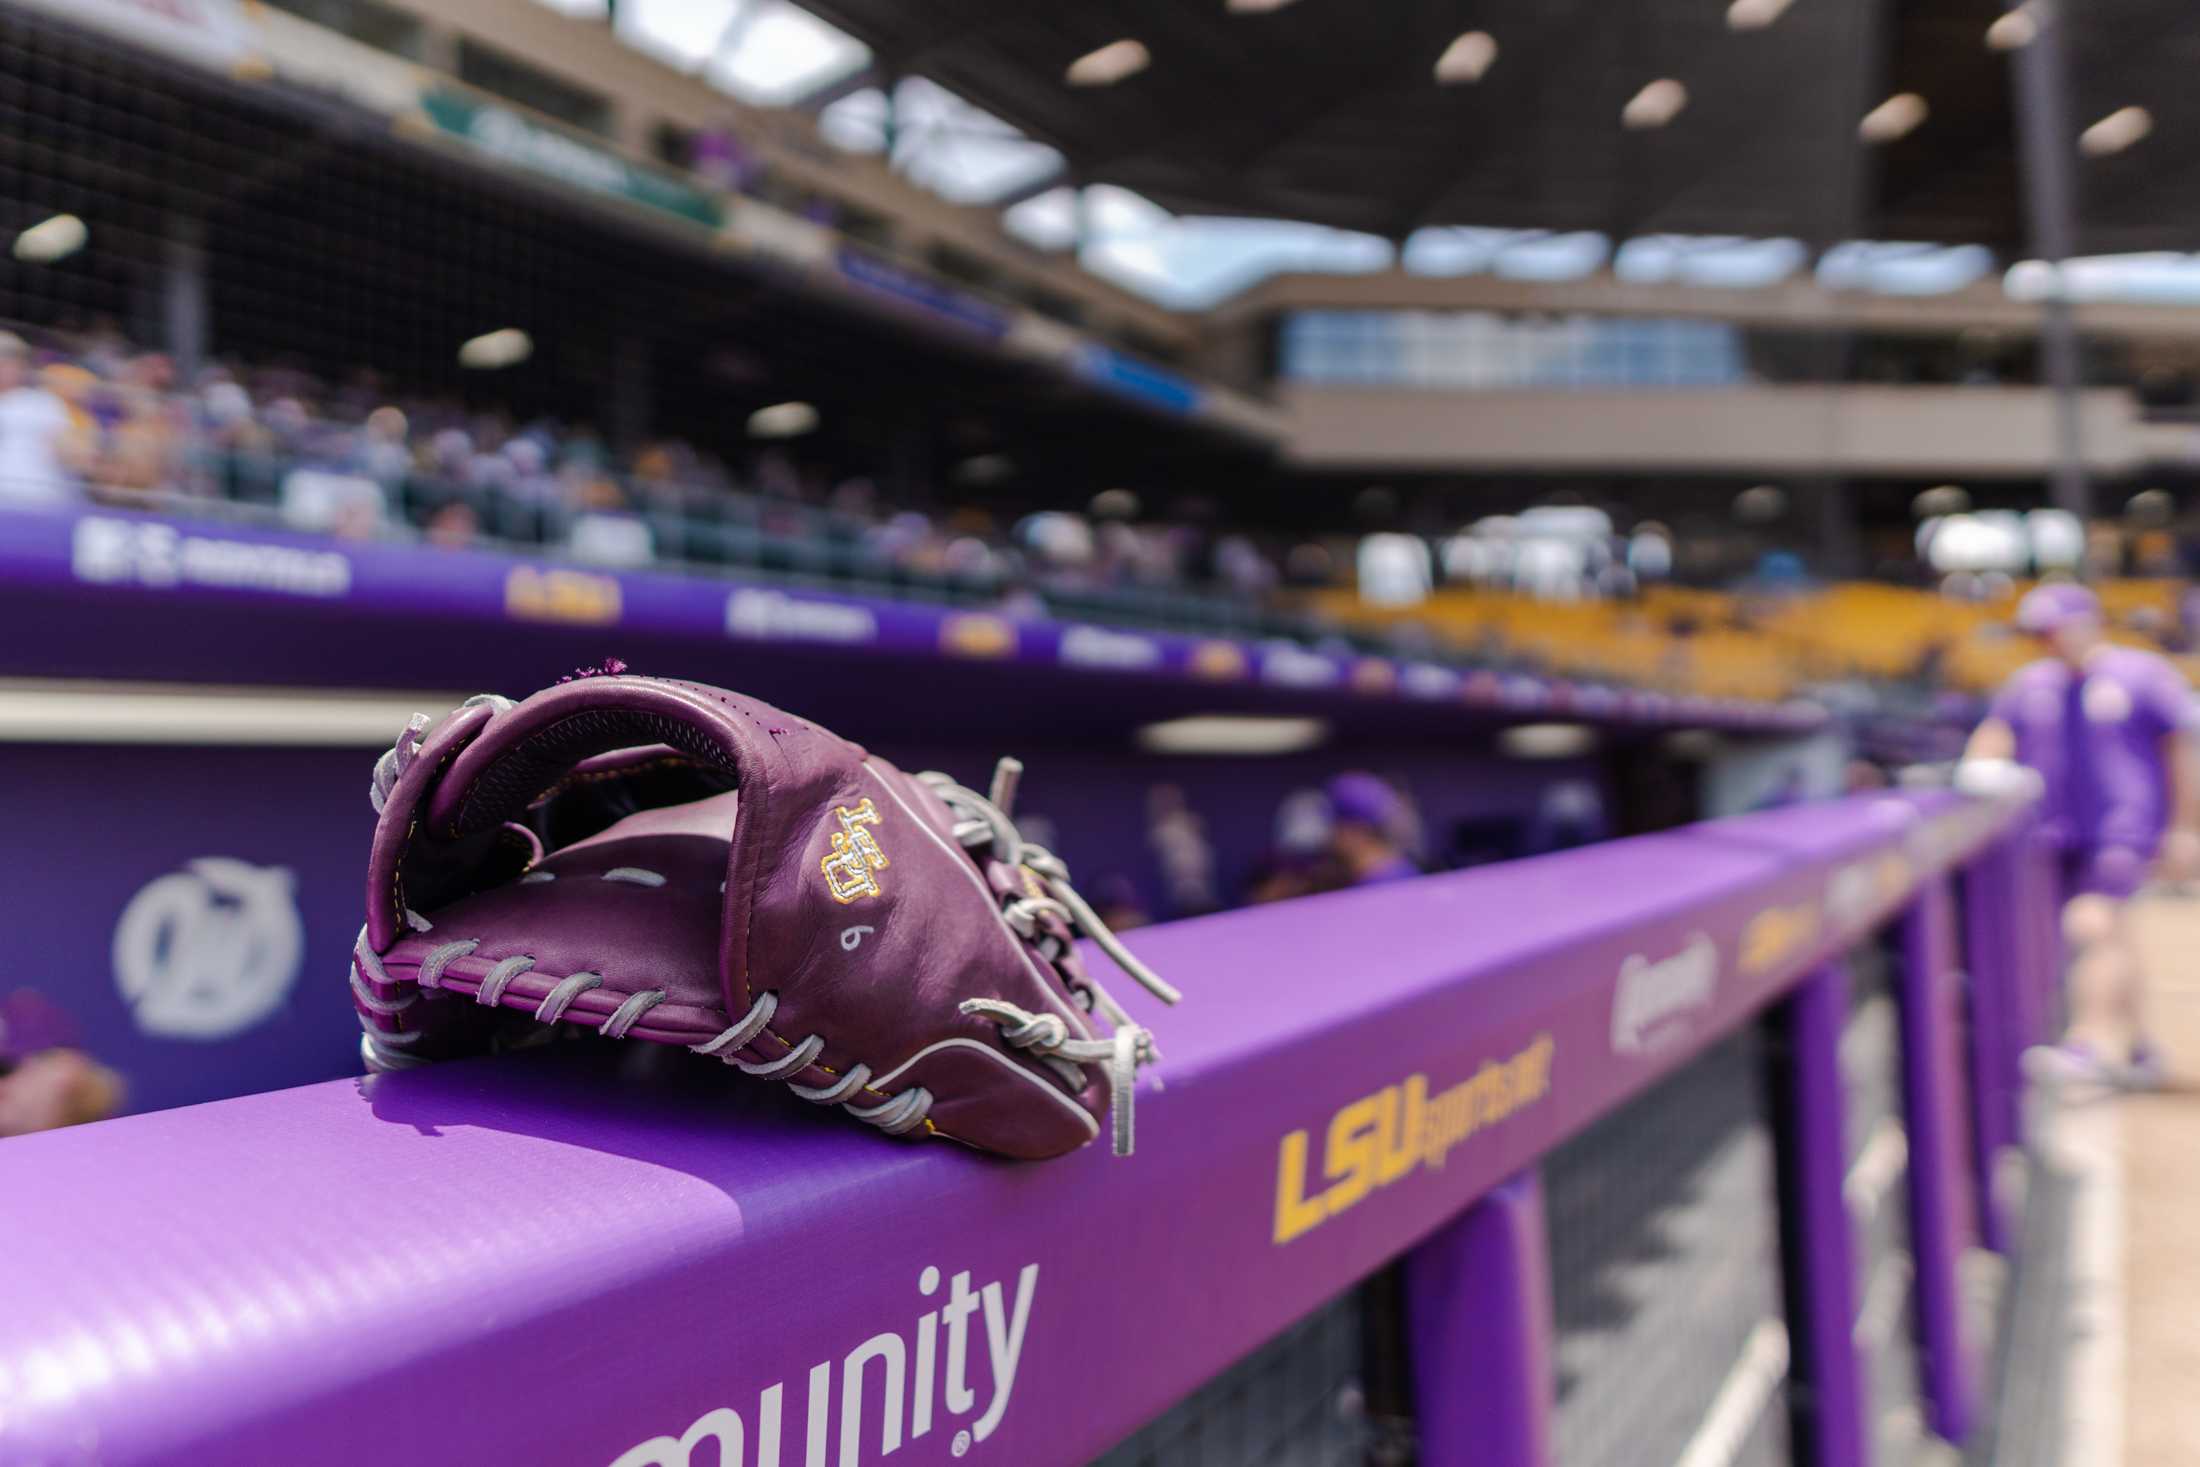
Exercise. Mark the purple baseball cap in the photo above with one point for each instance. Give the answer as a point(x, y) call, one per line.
point(1363, 799)
point(30, 1022)
point(2047, 609)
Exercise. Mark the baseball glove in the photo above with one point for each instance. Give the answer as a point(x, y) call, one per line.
point(655, 859)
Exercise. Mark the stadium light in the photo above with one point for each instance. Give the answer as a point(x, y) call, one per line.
point(1754, 15)
point(2116, 132)
point(2013, 29)
point(1692, 745)
point(782, 420)
point(1466, 58)
point(2151, 506)
point(2032, 280)
point(1232, 733)
point(1658, 103)
point(496, 349)
point(52, 239)
point(985, 468)
point(1896, 117)
point(1109, 65)
point(1760, 504)
point(1941, 499)
point(1547, 741)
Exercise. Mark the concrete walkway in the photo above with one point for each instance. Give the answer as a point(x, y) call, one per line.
point(2160, 1206)
point(2100, 1354)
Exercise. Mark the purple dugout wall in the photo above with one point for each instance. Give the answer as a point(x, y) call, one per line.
point(132, 904)
point(185, 917)
point(556, 1257)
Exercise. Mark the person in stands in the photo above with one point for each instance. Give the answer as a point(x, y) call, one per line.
point(2109, 731)
point(39, 451)
point(1371, 830)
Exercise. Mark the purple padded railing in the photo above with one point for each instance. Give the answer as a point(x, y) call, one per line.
point(586, 1256)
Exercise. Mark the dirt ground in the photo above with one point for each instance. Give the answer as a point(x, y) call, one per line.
point(2161, 1213)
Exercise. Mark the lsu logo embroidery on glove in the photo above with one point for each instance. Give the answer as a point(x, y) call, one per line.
point(851, 871)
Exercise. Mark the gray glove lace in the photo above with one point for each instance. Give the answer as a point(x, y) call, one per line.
point(984, 821)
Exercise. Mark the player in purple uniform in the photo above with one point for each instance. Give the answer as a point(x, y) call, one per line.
point(1371, 826)
point(2109, 731)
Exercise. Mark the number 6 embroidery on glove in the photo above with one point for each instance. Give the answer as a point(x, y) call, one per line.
point(851, 938)
point(851, 870)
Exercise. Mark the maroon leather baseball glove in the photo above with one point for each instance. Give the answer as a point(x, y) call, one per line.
point(660, 860)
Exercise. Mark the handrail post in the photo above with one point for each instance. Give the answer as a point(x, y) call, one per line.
point(2044, 896)
point(1933, 1116)
point(1990, 919)
point(1478, 1309)
point(1826, 1395)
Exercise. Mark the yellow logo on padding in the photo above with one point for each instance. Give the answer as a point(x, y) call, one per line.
point(1777, 934)
point(851, 870)
point(555, 594)
point(975, 634)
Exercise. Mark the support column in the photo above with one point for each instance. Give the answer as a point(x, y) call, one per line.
point(1826, 1393)
point(1991, 931)
point(2042, 881)
point(1839, 546)
point(183, 309)
point(1086, 230)
point(1478, 1310)
point(1927, 995)
point(908, 479)
point(889, 86)
point(2045, 147)
point(632, 402)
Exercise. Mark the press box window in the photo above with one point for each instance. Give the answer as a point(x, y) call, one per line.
point(367, 21)
point(515, 81)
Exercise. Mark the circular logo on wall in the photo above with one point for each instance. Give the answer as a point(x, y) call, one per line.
point(210, 950)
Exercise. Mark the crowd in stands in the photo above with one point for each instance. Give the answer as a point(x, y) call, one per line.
point(1876, 641)
point(89, 417)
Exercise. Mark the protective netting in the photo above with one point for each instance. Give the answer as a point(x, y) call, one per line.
point(1295, 1402)
point(318, 248)
point(1665, 1263)
point(1878, 1166)
point(285, 306)
point(1665, 1257)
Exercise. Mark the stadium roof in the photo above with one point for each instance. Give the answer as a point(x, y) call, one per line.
point(1621, 117)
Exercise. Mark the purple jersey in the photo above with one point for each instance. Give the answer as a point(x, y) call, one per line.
point(2096, 738)
point(1397, 868)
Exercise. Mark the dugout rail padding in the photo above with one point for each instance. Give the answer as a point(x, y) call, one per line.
point(611, 1255)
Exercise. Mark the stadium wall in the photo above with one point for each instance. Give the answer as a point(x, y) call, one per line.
point(1921, 430)
point(184, 935)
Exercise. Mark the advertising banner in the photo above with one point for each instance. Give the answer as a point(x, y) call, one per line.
point(536, 147)
point(921, 293)
point(1154, 386)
